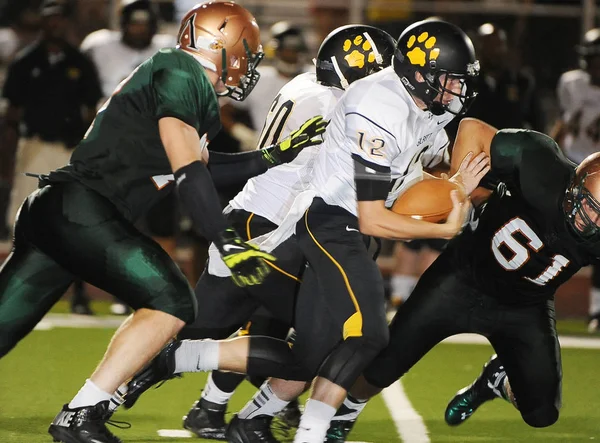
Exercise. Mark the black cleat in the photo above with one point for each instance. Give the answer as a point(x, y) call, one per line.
point(160, 369)
point(253, 430)
point(85, 425)
point(207, 420)
point(290, 415)
point(486, 387)
point(339, 430)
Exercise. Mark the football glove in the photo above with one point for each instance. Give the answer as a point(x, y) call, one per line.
point(309, 134)
point(246, 262)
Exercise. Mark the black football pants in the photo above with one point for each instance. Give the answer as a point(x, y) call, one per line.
point(524, 338)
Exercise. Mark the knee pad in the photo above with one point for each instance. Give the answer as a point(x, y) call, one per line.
point(271, 357)
point(541, 417)
point(349, 359)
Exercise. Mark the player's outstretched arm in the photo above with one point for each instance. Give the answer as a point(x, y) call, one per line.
point(236, 169)
point(199, 197)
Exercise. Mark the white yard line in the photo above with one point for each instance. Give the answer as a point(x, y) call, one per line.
point(408, 422)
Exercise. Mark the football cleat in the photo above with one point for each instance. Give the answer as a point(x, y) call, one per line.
point(160, 369)
point(252, 430)
point(339, 430)
point(85, 425)
point(486, 387)
point(206, 419)
point(290, 415)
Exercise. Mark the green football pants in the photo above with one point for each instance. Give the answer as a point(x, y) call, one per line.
point(66, 231)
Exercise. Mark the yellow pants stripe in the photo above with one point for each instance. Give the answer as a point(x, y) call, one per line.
point(353, 325)
point(277, 268)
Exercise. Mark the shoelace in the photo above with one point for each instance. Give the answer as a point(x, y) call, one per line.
point(119, 424)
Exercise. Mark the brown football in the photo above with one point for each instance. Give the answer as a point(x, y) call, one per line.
point(428, 200)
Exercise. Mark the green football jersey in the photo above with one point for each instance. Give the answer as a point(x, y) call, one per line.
point(122, 156)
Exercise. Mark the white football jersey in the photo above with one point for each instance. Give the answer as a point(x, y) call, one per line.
point(579, 102)
point(259, 102)
point(271, 194)
point(378, 122)
point(115, 60)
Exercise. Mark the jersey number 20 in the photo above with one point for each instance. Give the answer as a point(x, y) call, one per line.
point(521, 253)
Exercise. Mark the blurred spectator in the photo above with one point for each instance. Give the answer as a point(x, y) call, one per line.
point(287, 49)
point(52, 90)
point(116, 54)
point(507, 96)
point(577, 130)
point(328, 15)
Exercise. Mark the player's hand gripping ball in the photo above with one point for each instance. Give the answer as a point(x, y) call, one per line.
point(428, 200)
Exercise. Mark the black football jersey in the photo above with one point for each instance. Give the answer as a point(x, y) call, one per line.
point(518, 248)
point(122, 156)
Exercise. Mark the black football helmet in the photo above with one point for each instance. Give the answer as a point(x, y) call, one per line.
point(435, 48)
point(582, 199)
point(352, 52)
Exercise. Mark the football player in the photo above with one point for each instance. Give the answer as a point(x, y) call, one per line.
point(498, 278)
point(578, 129)
point(150, 134)
point(382, 131)
point(256, 211)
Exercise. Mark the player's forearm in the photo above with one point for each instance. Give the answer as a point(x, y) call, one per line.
point(383, 223)
point(236, 169)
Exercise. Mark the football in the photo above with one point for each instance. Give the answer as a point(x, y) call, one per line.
point(428, 200)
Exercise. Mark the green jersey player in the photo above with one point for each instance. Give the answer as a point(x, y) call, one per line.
point(150, 137)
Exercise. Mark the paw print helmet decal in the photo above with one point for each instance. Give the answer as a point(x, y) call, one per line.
point(444, 57)
point(352, 52)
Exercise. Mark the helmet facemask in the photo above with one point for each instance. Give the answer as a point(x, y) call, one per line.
point(247, 81)
point(582, 210)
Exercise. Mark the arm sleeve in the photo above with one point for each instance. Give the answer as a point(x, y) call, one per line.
point(200, 200)
point(177, 95)
point(235, 169)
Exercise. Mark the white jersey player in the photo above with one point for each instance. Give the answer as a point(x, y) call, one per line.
point(271, 195)
point(117, 53)
point(383, 129)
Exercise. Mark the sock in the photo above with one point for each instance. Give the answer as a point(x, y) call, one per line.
point(314, 422)
point(594, 308)
point(213, 394)
point(264, 402)
point(197, 356)
point(118, 398)
point(350, 409)
point(402, 286)
point(89, 395)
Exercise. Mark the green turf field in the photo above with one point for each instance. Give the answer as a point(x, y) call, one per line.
point(48, 367)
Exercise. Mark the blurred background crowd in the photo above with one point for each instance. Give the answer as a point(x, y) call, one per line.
point(61, 59)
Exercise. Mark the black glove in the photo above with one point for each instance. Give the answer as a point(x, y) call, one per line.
point(309, 134)
point(246, 262)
